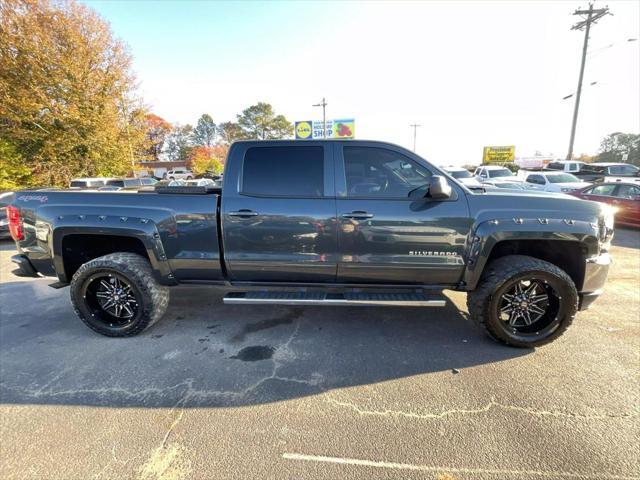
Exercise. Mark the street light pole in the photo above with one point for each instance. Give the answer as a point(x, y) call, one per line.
point(415, 128)
point(323, 104)
point(592, 16)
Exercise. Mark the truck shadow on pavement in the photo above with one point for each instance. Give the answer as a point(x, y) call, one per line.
point(207, 354)
point(626, 237)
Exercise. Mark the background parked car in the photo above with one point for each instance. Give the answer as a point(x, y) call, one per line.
point(200, 182)
point(505, 185)
point(91, 182)
point(126, 183)
point(552, 181)
point(624, 196)
point(496, 174)
point(569, 166)
point(179, 174)
point(463, 175)
point(5, 199)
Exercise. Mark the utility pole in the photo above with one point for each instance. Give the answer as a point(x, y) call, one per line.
point(593, 15)
point(323, 104)
point(415, 129)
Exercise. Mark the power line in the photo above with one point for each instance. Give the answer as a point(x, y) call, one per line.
point(415, 129)
point(323, 104)
point(593, 15)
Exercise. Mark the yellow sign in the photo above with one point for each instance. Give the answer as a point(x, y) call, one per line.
point(303, 130)
point(499, 154)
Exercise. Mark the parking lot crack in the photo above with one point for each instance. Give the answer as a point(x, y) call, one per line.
point(491, 405)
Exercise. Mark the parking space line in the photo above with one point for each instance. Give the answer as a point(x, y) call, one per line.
point(453, 470)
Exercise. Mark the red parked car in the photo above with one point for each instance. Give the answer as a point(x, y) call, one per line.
point(625, 196)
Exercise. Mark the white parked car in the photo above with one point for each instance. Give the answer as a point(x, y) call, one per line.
point(92, 182)
point(568, 166)
point(549, 181)
point(179, 174)
point(494, 174)
point(201, 182)
point(463, 176)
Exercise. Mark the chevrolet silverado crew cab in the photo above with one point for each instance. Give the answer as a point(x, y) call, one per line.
point(321, 222)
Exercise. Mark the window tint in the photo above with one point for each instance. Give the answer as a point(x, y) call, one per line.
point(593, 169)
point(460, 174)
point(628, 191)
point(116, 183)
point(503, 172)
point(78, 184)
point(606, 190)
point(537, 179)
point(562, 178)
point(284, 171)
point(555, 166)
point(378, 172)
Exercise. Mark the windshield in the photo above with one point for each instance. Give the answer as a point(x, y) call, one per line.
point(460, 174)
point(509, 185)
point(562, 178)
point(500, 173)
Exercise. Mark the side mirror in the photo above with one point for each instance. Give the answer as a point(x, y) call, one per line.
point(439, 188)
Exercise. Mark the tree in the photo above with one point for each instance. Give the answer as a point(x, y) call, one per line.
point(206, 159)
point(617, 144)
point(14, 173)
point(229, 132)
point(67, 93)
point(260, 122)
point(179, 142)
point(205, 131)
point(156, 131)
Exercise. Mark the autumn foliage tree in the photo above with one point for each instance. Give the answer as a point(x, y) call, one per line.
point(157, 129)
point(208, 159)
point(67, 94)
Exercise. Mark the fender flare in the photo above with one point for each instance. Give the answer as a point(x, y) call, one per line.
point(486, 235)
point(141, 229)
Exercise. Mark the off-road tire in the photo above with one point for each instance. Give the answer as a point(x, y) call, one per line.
point(481, 306)
point(153, 297)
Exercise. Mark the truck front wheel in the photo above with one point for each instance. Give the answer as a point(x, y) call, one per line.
point(523, 301)
point(116, 295)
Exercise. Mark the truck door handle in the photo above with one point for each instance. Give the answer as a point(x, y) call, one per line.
point(243, 213)
point(357, 215)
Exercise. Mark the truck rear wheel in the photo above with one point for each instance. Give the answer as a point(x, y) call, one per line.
point(116, 295)
point(523, 301)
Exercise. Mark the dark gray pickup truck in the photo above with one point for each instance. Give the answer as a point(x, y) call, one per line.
point(321, 223)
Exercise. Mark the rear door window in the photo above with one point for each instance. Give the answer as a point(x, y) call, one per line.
point(628, 191)
point(537, 179)
point(603, 190)
point(292, 171)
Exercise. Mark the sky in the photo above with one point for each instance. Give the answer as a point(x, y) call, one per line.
point(471, 73)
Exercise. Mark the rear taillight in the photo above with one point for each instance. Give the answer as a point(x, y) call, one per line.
point(15, 223)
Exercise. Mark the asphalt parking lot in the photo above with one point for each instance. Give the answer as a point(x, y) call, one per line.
point(218, 391)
